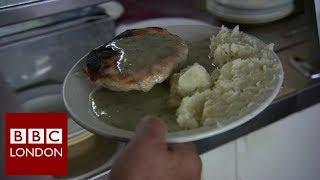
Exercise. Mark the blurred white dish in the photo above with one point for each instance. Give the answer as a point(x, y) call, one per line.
point(249, 16)
point(113, 8)
point(253, 4)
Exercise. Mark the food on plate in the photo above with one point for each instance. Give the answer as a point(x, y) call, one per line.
point(241, 85)
point(125, 109)
point(215, 75)
point(238, 84)
point(211, 82)
point(230, 44)
point(190, 110)
point(137, 59)
point(190, 80)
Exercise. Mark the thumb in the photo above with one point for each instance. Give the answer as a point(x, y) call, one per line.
point(151, 130)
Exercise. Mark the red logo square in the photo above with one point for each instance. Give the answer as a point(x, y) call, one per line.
point(36, 144)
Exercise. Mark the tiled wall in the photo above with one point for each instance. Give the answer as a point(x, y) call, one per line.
point(286, 150)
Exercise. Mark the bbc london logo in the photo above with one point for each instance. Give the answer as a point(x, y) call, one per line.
point(36, 144)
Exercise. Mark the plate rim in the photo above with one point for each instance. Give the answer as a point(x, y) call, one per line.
point(243, 16)
point(249, 6)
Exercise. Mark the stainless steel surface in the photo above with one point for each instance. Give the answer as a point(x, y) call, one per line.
point(10, 3)
point(48, 53)
point(293, 80)
point(41, 57)
point(50, 20)
point(317, 9)
point(304, 67)
point(11, 14)
point(312, 11)
point(284, 34)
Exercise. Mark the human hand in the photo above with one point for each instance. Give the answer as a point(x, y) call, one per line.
point(149, 157)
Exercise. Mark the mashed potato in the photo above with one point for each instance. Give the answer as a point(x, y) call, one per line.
point(229, 45)
point(190, 110)
point(194, 78)
point(187, 82)
point(240, 86)
point(244, 76)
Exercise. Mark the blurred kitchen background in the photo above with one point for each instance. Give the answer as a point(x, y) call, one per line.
point(40, 40)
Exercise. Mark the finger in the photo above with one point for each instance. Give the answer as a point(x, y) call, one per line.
point(188, 155)
point(150, 130)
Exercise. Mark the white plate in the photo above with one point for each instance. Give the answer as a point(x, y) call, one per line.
point(249, 16)
point(160, 22)
point(76, 90)
point(253, 4)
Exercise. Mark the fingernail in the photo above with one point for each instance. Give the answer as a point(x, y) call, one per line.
point(151, 125)
point(144, 124)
